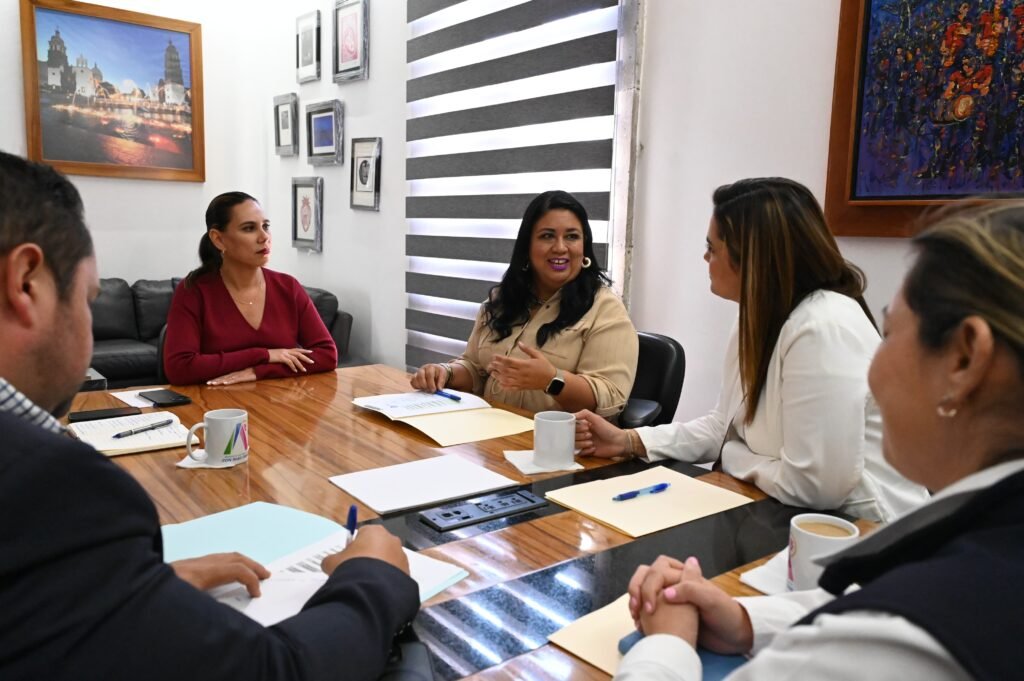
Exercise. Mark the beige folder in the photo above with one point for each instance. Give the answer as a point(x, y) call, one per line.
point(685, 499)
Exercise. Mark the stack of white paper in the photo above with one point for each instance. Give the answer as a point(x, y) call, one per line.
point(100, 434)
point(420, 483)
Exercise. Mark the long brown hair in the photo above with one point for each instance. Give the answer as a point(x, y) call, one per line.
point(775, 233)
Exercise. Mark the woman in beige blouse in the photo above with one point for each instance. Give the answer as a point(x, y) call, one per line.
point(552, 335)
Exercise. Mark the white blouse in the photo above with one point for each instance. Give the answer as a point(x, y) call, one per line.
point(815, 439)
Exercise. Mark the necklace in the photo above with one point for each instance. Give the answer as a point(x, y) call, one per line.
point(237, 298)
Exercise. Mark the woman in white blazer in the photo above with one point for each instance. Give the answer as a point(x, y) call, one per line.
point(794, 416)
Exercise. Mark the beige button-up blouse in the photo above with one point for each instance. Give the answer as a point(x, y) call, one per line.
point(601, 348)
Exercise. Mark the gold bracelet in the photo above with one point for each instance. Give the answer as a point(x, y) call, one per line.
point(449, 373)
point(632, 447)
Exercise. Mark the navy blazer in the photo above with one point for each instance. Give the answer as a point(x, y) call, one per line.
point(85, 593)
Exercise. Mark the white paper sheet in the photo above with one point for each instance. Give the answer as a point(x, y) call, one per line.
point(132, 399)
point(296, 577)
point(524, 461)
point(769, 578)
point(402, 405)
point(420, 483)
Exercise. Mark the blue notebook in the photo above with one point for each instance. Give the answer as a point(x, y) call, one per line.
point(715, 666)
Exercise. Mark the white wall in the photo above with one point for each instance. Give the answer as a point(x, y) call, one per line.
point(730, 89)
point(148, 229)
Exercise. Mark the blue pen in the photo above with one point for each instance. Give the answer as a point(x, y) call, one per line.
point(653, 489)
point(450, 396)
point(350, 524)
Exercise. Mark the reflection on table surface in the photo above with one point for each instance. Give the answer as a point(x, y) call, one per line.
point(528, 576)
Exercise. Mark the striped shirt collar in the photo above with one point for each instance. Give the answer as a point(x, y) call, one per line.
point(13, 402)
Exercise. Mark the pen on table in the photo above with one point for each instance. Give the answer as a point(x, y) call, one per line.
point(143, 429)
point(450, 396)
point(653, 489)
point(350, 524)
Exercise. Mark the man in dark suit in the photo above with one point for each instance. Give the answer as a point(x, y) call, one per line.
point(84, 590)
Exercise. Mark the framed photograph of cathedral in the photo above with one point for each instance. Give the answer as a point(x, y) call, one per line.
point(308, 213)
point(926, 110)
point(307, 47)
point(364, 183)
point(112, 93)
point(325, 133)
point(351, 54)
point(286, 124)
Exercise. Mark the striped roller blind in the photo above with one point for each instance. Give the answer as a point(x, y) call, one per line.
point(505, 99)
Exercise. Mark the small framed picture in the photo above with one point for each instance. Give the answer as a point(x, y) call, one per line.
point(308, 213)
point(325, 133)
point(351, 40)
point(365, 182)
point(286, 124)
point(307, 47)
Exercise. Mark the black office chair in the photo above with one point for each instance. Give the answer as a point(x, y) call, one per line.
point(660, 369)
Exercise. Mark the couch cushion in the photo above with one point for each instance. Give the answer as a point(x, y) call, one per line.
point(325, 302)
point(123, 358)
point(152, 301)
point(113, 312)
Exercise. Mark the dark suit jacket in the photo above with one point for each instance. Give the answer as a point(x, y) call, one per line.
point(85, 593)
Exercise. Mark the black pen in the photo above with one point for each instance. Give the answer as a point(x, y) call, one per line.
point(143, 429)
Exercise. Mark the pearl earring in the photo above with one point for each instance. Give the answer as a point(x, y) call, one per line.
point(945, 411)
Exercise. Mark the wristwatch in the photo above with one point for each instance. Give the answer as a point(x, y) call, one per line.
point(556, 384)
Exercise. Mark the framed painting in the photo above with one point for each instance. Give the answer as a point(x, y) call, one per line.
point(351, 59)
point(926, 110)
point(325, 133)
point(307, 47)
point(112, 93)
point(286, 124)
point(308, 213)
point(364, 183)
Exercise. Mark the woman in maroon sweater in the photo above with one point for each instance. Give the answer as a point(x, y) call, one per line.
point(232, 320)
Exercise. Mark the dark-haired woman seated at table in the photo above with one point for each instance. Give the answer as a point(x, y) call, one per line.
point(232, 320)
point(940, 591)
point(552, 335)
point(794, 415)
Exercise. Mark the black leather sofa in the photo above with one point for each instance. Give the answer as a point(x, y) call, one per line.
point(127, 325)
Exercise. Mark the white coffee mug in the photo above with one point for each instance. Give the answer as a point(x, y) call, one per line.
point(226, 438)
point(813, 535)
point(554, 439)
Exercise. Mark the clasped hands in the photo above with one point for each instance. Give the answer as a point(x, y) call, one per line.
point(218, 569)
point(295, 358)
point(531, 373)
point(672, 597)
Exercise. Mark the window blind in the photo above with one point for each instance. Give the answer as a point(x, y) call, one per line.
point(505, 99)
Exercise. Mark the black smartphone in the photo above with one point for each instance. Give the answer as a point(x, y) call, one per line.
point(96, 414)
point(165, 398)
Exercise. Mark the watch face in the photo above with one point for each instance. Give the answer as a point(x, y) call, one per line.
point(555, 386)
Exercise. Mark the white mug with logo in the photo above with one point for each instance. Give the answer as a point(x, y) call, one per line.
point(226, 439)
point(554, 439)
point(813, 535)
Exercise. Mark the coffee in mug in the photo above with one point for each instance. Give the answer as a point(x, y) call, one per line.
point(811, 536)
point(824, 529)
point(554, 439)
point(226, 440)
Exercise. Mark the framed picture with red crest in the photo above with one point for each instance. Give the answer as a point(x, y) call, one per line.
point(308, 213)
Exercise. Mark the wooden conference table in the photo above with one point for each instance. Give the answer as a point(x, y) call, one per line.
point(305, 429)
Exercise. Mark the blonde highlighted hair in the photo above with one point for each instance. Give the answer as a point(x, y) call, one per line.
point(775, 233)
point(970, 262)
